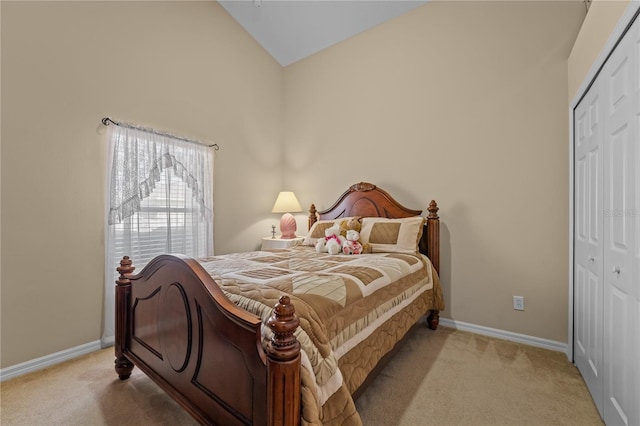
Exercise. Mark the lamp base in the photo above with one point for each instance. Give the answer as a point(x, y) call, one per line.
point(288, 226)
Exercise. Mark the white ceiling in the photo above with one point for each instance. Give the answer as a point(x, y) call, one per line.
point(294, 29)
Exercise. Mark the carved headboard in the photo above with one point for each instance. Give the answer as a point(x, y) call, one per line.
point(367, 200)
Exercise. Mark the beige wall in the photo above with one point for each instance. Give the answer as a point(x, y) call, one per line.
point(185, 67)
point(602, 18)
point(463, 102)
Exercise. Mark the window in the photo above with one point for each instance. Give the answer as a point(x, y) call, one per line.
point(159, 200)
point(167, 222)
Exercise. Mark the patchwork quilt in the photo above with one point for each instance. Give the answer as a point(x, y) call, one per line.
point(352, 311)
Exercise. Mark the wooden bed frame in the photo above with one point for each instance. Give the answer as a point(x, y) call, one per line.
point(175, 323)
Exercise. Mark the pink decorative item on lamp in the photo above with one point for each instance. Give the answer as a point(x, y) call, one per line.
point(286, 203)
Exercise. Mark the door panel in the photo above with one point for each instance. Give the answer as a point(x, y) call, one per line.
point(588, 290)
point(620, 80)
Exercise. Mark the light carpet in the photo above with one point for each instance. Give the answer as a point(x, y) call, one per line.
point(446, 377)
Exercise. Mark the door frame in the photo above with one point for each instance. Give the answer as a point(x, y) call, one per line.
point(621, 28)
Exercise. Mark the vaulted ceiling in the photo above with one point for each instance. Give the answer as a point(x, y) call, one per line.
point(294, 29)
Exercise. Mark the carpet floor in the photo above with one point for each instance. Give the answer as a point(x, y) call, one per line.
point(446, 377)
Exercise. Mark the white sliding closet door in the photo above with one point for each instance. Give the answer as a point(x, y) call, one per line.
point(588, 245)
point(607, 234)
point(621, 83)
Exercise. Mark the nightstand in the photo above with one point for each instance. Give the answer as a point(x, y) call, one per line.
point(269, 243)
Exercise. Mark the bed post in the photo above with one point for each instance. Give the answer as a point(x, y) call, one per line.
point(283, 366)
point(313, 215)
point(433, 249)
point(433, 234)
point(123, 334)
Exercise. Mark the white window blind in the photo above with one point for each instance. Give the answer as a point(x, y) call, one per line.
point(165, 223)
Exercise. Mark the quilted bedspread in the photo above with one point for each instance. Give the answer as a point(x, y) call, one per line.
point(352, 311)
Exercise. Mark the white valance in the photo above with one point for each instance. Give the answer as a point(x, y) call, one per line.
point(139, 157)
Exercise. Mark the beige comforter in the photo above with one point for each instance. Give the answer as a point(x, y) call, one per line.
point(352, 310)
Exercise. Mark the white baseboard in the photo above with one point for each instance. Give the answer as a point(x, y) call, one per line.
point(108, 341)
point(48, 360)
point(505, 335)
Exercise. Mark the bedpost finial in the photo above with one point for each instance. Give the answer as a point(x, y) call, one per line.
point(284, 310)
point(283, 323)
point(126, 267)
point(313, 215)
point(433, 210)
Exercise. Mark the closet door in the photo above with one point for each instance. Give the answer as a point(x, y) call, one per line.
point(621, 84)
point(588, 245)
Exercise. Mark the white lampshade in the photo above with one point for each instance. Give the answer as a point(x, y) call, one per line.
point(286, 203)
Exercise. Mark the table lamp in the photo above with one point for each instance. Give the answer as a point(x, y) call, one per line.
point(287, 203)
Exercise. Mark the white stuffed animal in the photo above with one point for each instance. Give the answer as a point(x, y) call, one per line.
point(352, 245)
point(332, 242)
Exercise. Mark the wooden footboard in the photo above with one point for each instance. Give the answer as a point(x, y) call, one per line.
point(177, 326)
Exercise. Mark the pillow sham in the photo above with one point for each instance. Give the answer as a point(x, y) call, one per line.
point(317, 230)
point(392, 235)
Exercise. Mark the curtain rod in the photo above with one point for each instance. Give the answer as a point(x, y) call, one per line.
point(107, 120)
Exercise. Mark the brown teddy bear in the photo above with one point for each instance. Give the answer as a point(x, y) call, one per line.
point(353, 224)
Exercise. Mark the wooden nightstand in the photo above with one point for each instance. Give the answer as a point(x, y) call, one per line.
point(278, 243)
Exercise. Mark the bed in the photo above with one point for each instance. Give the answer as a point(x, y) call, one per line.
point(285, 336)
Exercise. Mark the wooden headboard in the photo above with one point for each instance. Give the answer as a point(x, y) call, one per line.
point(367, 200)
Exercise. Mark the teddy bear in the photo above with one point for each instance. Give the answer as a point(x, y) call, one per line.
point(332, 242)
point(351, 244)
point(351, 223)
point(354, 224)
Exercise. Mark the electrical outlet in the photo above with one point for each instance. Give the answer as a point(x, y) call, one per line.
point(518, 303)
